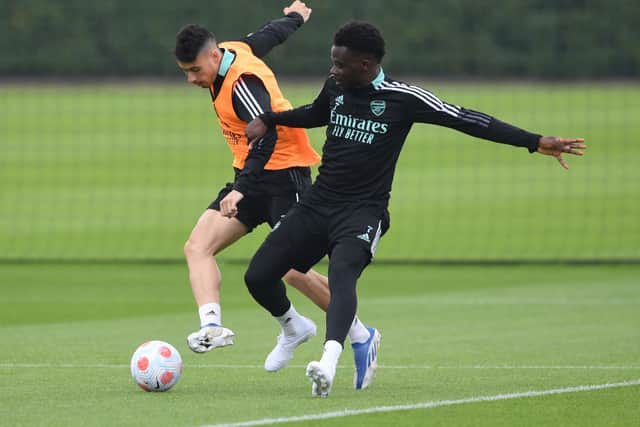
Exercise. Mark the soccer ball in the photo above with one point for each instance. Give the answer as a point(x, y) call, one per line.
point(156, 366)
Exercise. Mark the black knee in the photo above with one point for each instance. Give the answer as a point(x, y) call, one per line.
point(267, 289)
point(252, 279)
point(258, 282)
point(348, 260)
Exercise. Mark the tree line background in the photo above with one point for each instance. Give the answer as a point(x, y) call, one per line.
point(549, 39)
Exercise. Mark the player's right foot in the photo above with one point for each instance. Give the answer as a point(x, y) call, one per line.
point(287, 343)
point(209, 337)
point(321, 377)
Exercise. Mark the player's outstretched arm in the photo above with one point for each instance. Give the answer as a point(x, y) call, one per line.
point(557, 146)
point(277, 31)
point(308, 116)
point(300, 8)
point(428, 108)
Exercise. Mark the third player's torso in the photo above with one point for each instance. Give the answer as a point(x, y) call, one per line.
point(365, 134)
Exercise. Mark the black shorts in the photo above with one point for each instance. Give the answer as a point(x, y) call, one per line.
point(278, 192)
point(309, 232)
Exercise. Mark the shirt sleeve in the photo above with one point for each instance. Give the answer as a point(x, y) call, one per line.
point(273, 33)
point(250, 99)
point(425, 107)
point(308, 116)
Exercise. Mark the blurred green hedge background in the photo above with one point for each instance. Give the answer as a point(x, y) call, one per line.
point(564, 39)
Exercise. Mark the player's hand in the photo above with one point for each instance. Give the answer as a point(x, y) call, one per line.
point(229, 205)
point(299, 7)
point(556, 146)
point(255, 130)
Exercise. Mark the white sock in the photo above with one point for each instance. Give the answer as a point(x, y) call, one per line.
point(331, 354)
point(289, 321)
point(210, 313)
point(358, 332)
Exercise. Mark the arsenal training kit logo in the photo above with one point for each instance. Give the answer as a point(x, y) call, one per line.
point(378, 107)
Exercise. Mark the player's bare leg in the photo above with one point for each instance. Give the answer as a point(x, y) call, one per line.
point(211, 234)
point(313, 285)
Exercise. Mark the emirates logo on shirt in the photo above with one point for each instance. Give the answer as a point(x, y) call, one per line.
point(231, 137)
point(355, 129)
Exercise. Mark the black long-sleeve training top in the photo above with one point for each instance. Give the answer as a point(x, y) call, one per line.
point(367, 127)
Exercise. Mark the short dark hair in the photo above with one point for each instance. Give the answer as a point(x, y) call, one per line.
point(360, 37)
point(190, 40)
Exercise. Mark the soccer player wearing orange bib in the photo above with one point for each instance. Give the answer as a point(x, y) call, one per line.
point(269, 177)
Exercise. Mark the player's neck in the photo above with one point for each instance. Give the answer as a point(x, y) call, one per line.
point(370, 76)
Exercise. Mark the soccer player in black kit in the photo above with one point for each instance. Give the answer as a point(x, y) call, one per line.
point(344, 214)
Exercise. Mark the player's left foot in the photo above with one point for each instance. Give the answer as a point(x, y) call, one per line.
point(209, 337)
point(365, 355)
point(321, 377)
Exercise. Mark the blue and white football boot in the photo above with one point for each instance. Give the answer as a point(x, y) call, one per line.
point(365, 355)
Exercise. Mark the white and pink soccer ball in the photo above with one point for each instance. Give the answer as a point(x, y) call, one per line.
point(156, 366)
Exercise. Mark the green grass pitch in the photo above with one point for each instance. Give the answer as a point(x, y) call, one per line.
point(449, 334)
point(85, 168)
point(121, 172)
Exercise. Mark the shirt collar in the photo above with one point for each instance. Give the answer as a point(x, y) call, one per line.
point(378, 80)
point(225, 62)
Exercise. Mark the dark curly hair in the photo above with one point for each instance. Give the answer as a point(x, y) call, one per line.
point(190, 40)
point(360, 37)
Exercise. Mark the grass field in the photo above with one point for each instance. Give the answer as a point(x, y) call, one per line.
point(451, 337)
point(123, 171)
point(92, 175)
